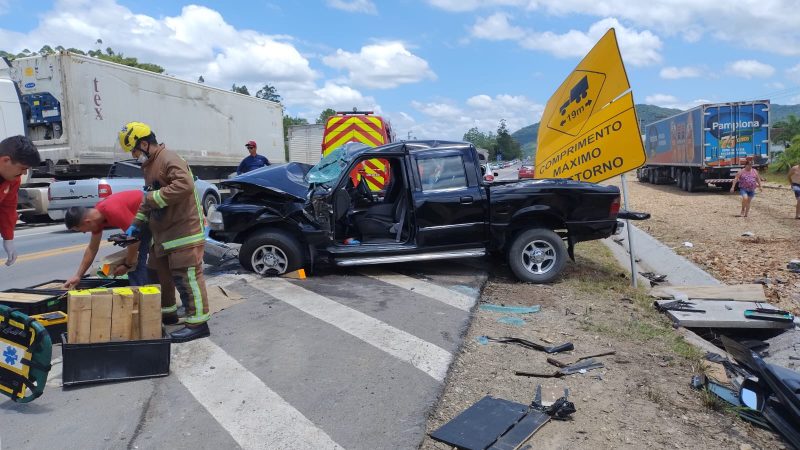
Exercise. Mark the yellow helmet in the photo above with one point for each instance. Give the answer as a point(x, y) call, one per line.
point(131, 133)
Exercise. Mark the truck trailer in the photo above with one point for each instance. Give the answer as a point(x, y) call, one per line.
point(706, 145)
point(305, 143)
point(73, 107)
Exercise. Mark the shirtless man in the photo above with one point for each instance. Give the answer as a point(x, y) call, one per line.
point(794, 178)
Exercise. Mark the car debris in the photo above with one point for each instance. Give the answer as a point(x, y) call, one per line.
point(510, 309)
point(574, 360)
point(511, 320)
point(580, 367)
point(654, 278)
point(567, 346)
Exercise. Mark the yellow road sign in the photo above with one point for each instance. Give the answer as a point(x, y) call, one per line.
point(611, 145)
point(599, 78)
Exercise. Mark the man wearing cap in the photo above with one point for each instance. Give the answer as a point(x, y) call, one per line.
point(254, 161)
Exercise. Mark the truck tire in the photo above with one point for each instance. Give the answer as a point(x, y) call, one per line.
point(271, 253)
point(209, 199)
point(537, 255)
point(652, 176)
point(691, 182)
point(682, 180)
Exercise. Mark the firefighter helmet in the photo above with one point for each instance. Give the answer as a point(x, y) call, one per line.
point(131, 133)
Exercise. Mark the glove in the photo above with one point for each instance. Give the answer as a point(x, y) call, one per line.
point(8, 245)
point(133, 231)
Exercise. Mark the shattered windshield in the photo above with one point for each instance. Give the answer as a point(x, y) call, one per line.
point(332, 165)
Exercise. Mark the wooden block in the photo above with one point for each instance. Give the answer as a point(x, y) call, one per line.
point(149, 312)
point(101, 315)
point(121, 314)
point(79, 316)
point(21, 297)
point(135, 315)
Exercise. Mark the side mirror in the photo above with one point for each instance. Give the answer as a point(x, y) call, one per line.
point(751, 395)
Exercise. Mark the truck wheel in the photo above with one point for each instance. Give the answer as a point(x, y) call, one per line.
point(691, 184)
point(652, 176)
point(208, 200)
point(271, 253)
point(537, 256)
point(682, 180)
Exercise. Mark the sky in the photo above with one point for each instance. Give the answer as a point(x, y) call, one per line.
point(435, 68)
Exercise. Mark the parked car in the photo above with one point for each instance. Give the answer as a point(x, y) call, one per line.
point(526, 171)
point(122, 176)
point(436, 206)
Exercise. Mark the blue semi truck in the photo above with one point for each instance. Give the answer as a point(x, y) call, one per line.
point(706, 145)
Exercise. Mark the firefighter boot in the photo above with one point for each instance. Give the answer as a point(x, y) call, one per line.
point(187, 333)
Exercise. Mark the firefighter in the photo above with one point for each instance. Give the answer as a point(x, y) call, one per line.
point(17, 155)
point(116, 210)
point(172, 210)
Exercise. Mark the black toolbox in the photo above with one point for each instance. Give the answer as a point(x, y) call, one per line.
point(114, 361)
point(51, 300)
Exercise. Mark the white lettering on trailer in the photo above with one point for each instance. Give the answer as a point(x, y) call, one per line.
point(735, 125)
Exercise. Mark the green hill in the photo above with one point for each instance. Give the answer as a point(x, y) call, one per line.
point(527, 136)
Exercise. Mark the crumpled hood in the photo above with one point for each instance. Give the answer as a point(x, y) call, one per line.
point(283, 180)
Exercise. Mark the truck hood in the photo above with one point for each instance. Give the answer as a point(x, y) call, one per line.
point(286, 181)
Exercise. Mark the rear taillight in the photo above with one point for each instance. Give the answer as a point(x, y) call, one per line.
point(49, 194)
point(103, 190)
point(615, 207)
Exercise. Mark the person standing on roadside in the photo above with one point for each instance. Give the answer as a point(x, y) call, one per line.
point(794, 179)
point(117, 211)
point(253, 161)
point(172, 210)
point(17, 155)
point(748, 180)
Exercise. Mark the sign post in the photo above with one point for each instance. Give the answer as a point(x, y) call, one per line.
point(634, 282)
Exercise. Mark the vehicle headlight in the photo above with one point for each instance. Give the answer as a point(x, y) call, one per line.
point(215, 219)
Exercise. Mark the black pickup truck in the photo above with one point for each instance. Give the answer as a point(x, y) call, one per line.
point(434, 205)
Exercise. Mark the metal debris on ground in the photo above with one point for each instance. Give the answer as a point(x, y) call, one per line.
point(580, 367)
point(654, 278)
point(567, 346)
point(572, 360)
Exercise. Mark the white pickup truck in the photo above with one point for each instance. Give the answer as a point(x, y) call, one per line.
point(123, 176)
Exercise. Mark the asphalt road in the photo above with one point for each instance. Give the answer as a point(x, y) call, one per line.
point(46, 252)
point(344, 359)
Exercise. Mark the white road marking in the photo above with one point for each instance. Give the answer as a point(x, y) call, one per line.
point(430, 290)
point(255, 416)
point(421, 354)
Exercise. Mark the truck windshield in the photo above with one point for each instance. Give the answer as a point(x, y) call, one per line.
point(331, 166)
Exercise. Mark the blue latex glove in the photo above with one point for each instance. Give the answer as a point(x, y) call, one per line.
point(133, 231)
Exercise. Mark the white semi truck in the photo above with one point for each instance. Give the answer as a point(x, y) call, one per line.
point(73, 107)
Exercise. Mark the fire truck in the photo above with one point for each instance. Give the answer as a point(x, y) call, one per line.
point(368, 129)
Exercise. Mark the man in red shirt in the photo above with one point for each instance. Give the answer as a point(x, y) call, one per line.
point(17, 155)
point(115, 211)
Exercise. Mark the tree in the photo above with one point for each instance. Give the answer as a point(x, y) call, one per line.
point(789, 158)
point(786, 130)
point(46, 50)
point(480, 139)
point(325, 115)
point(506, 145)
point(240, 89)
point(269, 92)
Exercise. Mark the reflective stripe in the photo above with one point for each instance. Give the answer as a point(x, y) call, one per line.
point(198, 316)
point(169, 310)
point(200, 214)
point(175, 243)
point(157, 198)
point(141, 217)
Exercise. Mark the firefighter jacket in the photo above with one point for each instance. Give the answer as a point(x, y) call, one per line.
point(170, 205)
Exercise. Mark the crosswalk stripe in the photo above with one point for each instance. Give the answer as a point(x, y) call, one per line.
point(434, 291)
point(255, 416)
point(421, 354)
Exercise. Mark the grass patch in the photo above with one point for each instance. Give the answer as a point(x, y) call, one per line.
point(596, 272)
point(776, 177)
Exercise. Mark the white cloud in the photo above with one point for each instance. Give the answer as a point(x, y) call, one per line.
point(670, 101)
point(496, 28)
point(452, 120)
point(359, 6)
point(384, 65)
point(675, 73)
point(756, 24)
point(750, 68)
point(637, 48)
point(794, 73)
